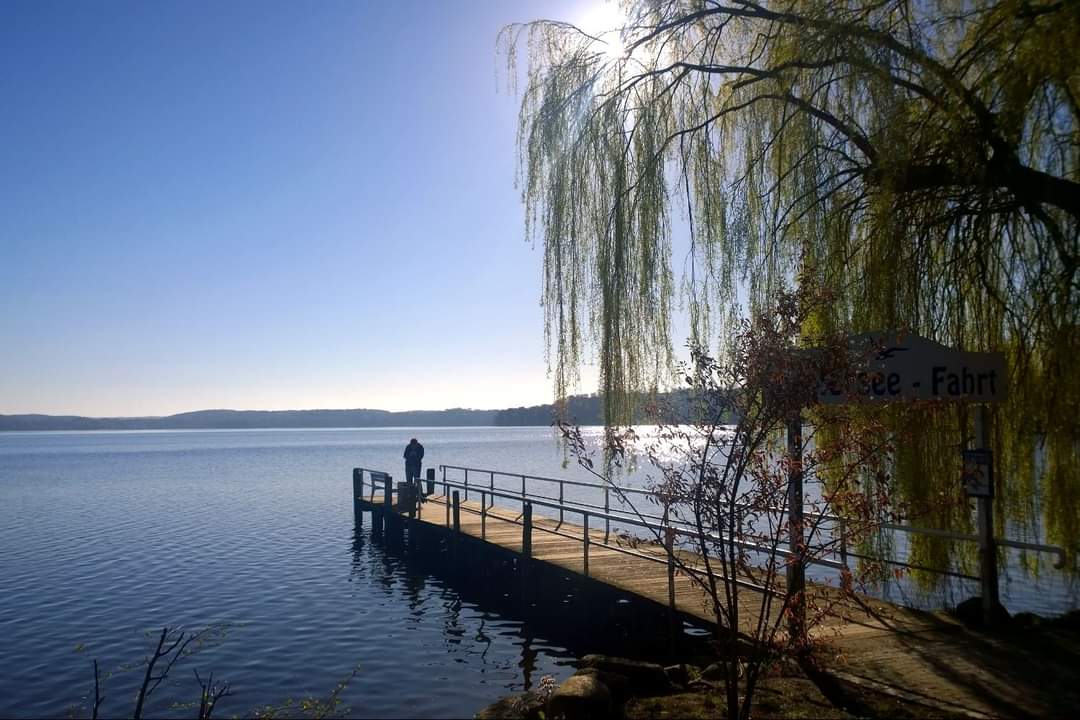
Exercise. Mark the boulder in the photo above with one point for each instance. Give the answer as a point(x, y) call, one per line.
point(645, 678)
point(619, 685)
point(524, 706)
point(580, 697)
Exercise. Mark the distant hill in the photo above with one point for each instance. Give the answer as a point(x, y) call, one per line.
point(241, 419)
point(581, 409)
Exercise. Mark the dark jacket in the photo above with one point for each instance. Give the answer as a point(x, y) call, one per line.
point(414, 453)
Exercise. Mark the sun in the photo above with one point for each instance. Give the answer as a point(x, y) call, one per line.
point(604, 19)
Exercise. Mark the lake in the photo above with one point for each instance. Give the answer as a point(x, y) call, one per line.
point(107, 535)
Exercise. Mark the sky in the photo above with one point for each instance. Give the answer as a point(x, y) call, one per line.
point(264, 205)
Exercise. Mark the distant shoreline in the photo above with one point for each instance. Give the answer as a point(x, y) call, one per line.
point(585, 410)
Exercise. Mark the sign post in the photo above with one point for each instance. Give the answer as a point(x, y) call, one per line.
point(980, 484)
point(796, 570)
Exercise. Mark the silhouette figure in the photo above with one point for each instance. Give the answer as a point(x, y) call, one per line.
point(414, 455)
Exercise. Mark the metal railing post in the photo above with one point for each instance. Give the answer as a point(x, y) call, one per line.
point(357, 494)
point(560, 502)
point(457, 512)
point(607, 510)
point(446, 498)
point(669, 545)
point(483, 517)
point(585, 538)
point(844, 543)
point(526, 531)
point(466, 484)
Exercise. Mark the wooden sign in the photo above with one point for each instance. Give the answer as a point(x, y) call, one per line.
point(892, 367)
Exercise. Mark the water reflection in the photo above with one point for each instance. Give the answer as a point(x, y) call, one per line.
point(540, 612)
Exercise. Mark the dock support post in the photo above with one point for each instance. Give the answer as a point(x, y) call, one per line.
point(585, 540)
point(483, 516)
point(357, 493)
point(430, 481)
point(457, 512)
point(526, 530)
point(988, 569)
point(796, 569)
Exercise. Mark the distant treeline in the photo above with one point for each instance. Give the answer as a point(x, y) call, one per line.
point(581, 409)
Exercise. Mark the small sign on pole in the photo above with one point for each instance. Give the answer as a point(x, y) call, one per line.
point(978, 473)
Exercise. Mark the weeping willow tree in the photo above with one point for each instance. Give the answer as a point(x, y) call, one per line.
point(917, 159)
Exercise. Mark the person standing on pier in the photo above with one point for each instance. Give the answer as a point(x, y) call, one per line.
point(414, 455)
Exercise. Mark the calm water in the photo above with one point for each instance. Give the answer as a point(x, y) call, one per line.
point(104, 536)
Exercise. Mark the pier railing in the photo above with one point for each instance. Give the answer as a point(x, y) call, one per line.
point(603, 501)
point(667, 532)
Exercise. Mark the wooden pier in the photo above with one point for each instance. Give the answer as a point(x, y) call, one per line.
point(590, 550)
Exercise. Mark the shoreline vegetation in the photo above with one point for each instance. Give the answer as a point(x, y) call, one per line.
point(580, 409)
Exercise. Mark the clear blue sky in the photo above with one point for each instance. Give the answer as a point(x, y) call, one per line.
point(263, 206)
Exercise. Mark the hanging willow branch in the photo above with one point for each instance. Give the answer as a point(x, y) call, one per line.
point(919, 160)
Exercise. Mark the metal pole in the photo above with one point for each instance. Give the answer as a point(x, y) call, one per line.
point(357, 493)
point(466, 483)
point(457, 512)
point(796, 570)
point(483, 517)
point(560, 502)
point(987, 549)
point(526, 531)
point(585, 537)
point(607, 510)
point(843, 554)
point(669, 545)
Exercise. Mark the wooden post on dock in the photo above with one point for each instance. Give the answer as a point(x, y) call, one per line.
point(357, 492)
point(526, 530)
point(457, 512)
point(430, 481)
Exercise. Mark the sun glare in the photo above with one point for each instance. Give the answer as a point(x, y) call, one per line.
point(603, 19)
